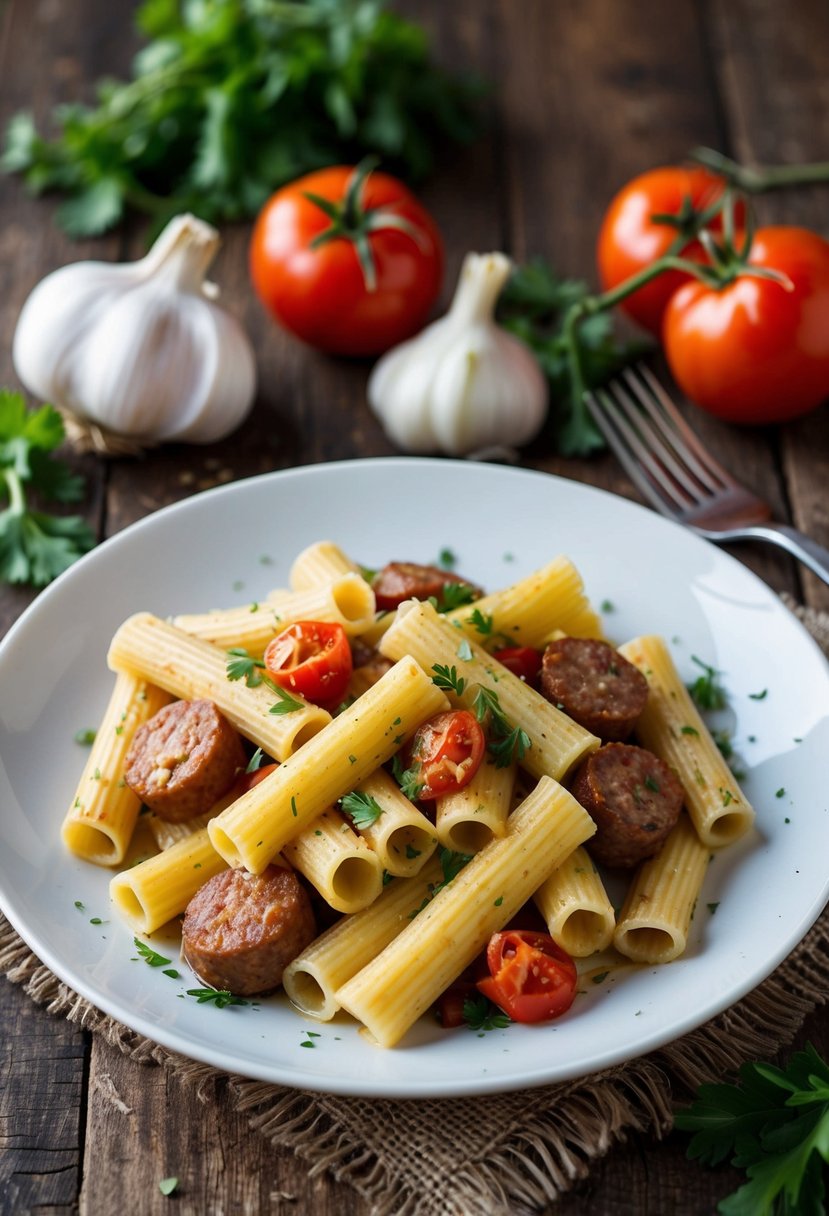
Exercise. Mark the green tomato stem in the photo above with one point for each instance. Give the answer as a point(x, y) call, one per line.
point(763, 178)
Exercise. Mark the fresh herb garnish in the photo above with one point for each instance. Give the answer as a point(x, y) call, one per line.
point(481, 621)
point(688, 730)
point(255, 761)
point(705, 690)
point(774, 1124)
point(36, 547)
point(362, 809)
point(506, 742)
point(242, 666)
point(85, 737)
point(447, 559)
point(220, 997)
point(713, 907)
point(409, 779)
point(149, 955)
point(455, 595)
point(464, 651)
point(652, 783)
point(480, 1014)
point(286, 703)
point(230, 100)
point(447, 678)
point(758, 696)
point(780, 793)
point(607, 606)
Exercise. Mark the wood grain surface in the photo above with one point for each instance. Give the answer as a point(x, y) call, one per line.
point(584, 95)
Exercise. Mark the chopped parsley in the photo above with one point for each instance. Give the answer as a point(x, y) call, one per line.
point(688, 730)
point(713, 907)
point(506, 742)
point(286, 703)
point(464, 651)
point(481, 621)
point(85, 737)
point(242, 666)
point(407, 778)
point(447, 559)
point(652, 784)
point(255, 761)
point(607, 606)
point(80, 906)
point(759, 696)
point(412, 853)
point(480, 1014)
point(149, 955)
point(362, 809)
point(455, 595)
point(220, 997)
point(447, 678)
point(600, 978)
point(705, 690)
point(780, 793)
point(294, 811)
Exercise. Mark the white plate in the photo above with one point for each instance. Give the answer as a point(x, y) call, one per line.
point(501, 523)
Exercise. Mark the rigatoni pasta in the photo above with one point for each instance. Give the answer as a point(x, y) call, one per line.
point(466, 820)
point(575, 906)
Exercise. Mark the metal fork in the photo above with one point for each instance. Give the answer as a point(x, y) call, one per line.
point(669, 465)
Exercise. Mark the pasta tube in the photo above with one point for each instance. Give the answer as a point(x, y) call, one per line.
point(99, 824)
point(550, 598)
point(574, 903)
point(156, 890)
point(319, 564)
point(557, 742)
point(338, 862)
point(189, 668)
point(672, 728)
point(653, 923)
point(391, 992)
point(402, 837)
point(351, 747)
point(468, 819)
point(314, 976)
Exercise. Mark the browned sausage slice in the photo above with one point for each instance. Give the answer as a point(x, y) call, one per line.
point(633, 798)
point(399, 581)
point(241, 930)
point(184, 759)
point(595, 685)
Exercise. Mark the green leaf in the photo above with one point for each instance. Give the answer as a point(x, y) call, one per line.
point(362, 809)
point(93, 210)
point(35, 547)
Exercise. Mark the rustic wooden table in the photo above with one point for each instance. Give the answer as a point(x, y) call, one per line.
point(585, 95)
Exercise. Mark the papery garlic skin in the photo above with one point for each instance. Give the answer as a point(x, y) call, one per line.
point(464, 383)
point(140, 349)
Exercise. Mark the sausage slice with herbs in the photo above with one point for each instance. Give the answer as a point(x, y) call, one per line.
point(595, 685)
point(399, 581)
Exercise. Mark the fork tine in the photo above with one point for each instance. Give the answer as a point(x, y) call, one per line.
point(688, 446)
point(632, 455)
point(685, 486)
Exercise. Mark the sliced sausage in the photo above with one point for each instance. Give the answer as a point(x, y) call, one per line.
point(633, 798)
point(594, 685)
point(241, 930)
point(399, 581)
point(184, 759)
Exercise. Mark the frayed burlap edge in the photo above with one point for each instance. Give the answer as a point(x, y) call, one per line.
point(545, 1142)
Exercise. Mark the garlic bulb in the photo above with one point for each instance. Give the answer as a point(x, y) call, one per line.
point(464, 383)
point(139, 350)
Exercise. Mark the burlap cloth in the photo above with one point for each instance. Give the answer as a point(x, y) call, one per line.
point(500, 1154)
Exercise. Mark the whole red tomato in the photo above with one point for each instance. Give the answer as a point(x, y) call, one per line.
point(631, 238)
point(346, 259)
point(753, 350)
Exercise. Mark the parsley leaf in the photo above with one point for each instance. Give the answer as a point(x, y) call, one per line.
point(774, 1124)
point(480, 1014)
point(220, 997)
point(482, 621)
point(407, 778)
point(36, 547)
point(241, 666)
point(362, 809)
point(286, 703)
point(231, 99)
point(255, 762)
point(506, 742)
point(705, 690)
point(149, 955)
point(447, 678)
point(455, 595)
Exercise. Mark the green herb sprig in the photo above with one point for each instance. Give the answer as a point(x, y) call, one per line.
point(242, 666)
point(36, 547)
point(362, 809)
point(506, 742)
point(480, 1014)
point(706, 689)
point(774, 1124)
point(220, 997)
point(231, 99)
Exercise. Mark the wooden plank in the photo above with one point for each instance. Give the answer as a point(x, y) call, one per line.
point(773, 62)
point(592, 95)
point(41, 1107)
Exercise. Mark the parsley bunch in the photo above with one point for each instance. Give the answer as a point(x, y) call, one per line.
point(774, 1125)
point(534, 306)
point(36, 547)
point(233, 98)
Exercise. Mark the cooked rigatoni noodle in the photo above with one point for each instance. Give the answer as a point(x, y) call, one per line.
point(574, 903)
point(351, 747)
point(347, 601)
point(672, 728)
point(391, 992)
point(558, 743)
point(585, 624)
point(346, 872)
point(550, 598)
point(99, 824)
point(156, 890)
point(189, 668)
point(402, 837)
point(469, 818)
point(383, 622)
point(320, 563)
point(653, 923)
point(314, 976)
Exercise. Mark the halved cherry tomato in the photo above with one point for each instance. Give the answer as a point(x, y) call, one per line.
point(399, 581)
point(522, 661)
point(312, 658)
point(631, 238)
point(531, 978)
point(259, 774)
point(447, 750)
point(756, 350)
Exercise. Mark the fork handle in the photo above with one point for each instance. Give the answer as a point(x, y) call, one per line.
point(813, 555)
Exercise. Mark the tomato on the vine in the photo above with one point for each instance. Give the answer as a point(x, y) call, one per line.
point(347, 259)
point(756, 350)
point(649, 218)
point(312, 658)
point(531, 978)
point(446, 753)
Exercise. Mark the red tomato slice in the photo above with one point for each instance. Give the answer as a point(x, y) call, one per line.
point(522, 661)
point(259, 774)
point(531, 978)
point(312, 658)
point(447, 750)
